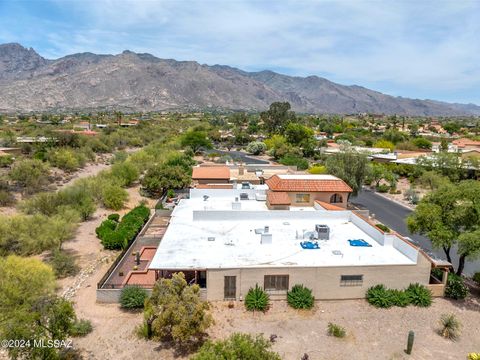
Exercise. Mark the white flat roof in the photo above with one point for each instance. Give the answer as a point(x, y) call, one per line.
point(186, 245)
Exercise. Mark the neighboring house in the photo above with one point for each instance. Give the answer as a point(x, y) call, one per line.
point(466, 144)
point(304, 190)
point(227, 243)
point(211, 175)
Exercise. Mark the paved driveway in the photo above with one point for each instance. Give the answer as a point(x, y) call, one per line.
point(239, 155)
point(394, 216)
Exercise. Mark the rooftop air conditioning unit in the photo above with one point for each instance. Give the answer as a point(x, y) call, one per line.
point(236, 205)
point(323, 232)
point(245, 185)
point(243, 196)
point(266, 238)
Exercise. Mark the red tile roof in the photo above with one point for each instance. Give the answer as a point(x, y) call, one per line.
point(278, 198)
point(465, 142)
point(214, 186)
point(211, 172)
point(303, 183)
point(328, 206)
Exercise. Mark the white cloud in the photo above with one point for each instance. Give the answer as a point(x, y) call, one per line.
point(427, 46)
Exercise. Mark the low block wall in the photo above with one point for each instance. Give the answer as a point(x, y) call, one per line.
point(112, 296)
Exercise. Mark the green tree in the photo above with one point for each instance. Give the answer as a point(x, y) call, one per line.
point(162, 177)
point(447, 164)
point(256, 147)
point(114, 197)
point(29, 309)
point(196, 140)
point(277, 146)
point(237, 346)
point(422, 143)
point(126, 172)
point(350, 166)
point(277, 117)
point(384, 144)
point(450, 216)
point(452, 127)
point(175, 311)
point(30, 174)
point(432, 180)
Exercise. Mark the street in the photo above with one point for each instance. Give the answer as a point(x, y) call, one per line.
point(394, 216)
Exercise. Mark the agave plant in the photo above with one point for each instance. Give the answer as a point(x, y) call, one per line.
point(257, 299)
point(300, 297)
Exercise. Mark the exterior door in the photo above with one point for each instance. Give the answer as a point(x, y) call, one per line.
point(230, 287)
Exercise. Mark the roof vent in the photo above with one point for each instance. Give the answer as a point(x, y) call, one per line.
point(205, 197)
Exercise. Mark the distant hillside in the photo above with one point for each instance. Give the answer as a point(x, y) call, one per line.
point(131, 81)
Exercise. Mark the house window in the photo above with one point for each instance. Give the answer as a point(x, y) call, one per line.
point(302, 198)
point(276, 282)
point(230, 287)
point(351, 280)
point(336, 198)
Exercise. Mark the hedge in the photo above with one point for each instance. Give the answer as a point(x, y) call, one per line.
point(118, 235)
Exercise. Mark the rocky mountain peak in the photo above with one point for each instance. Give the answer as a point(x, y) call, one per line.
point(16, 60)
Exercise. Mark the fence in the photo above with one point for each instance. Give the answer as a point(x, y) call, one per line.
point(122, 255)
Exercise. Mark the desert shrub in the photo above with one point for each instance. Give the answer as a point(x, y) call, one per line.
point(294, 160)
point(175, 312)
point(400, 298)
point(114, 217)
point(133, 297)
point(63, 264)
point(257, 299)
point(336, 330)
point(317, 169)
point(6, 198)
point(300, 297)
point(114, 197)
point(237, 346)
point(30, 174)
point(81, 327)
point(126, 172)
point(6, 161)
point(75, 197)
point(382, 227)
point(379, 296)
point(456, 288)
point(383, 188)
point(450, 326)
point(33, 234)
point(256, 147)
point(419, 295)
point(476, 278)
point(117, 235)
point(66, 159)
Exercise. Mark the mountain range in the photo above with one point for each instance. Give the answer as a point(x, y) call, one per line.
point(143, 82)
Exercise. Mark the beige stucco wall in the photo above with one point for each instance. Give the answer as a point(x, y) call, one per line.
point(321, 196)
point(324, 281)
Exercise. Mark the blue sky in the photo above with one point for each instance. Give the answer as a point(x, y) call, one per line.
point(419, 49)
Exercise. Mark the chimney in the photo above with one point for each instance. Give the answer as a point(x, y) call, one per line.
point(241, 170)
